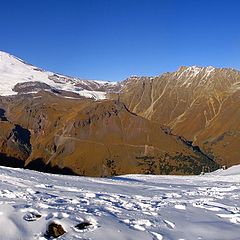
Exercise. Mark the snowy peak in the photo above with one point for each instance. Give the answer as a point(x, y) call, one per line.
point(17, 76)
point(195, 70)
point(7, 60)
point(208, 77)
point(4, 55)
point(14, 71)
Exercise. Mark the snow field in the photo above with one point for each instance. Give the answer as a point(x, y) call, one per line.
point(126, 207)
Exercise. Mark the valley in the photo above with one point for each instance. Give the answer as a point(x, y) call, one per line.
point(177, 123)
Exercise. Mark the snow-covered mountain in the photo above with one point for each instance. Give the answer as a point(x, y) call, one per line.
point(17, 76)
point(127, 207)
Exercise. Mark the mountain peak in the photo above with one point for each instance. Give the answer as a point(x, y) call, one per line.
point(16, 76)
point(195, 68)
point(5, 56)
point(193, 71)
point(2, 53)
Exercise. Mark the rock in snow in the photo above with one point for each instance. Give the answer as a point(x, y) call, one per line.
point(122, 208)
point(54, 230)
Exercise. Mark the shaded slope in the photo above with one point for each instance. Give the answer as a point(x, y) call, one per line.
point(98, 138)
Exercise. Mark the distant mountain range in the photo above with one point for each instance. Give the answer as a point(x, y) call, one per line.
point(176, 123)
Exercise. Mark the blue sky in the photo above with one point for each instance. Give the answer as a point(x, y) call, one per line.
point(112, 39)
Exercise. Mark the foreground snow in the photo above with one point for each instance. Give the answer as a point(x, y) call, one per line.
point(127, 207)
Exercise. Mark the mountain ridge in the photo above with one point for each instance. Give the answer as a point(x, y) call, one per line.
point(16, 71)
point(193, 103)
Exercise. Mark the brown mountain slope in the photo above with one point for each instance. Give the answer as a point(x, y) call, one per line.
point(14, 150)
point(201, 104)
point(94, 138)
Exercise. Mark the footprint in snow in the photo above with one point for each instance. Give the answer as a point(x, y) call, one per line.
point(32, 216)
point(157, 236)
point(58, 215)
point(169, 224)
point(89, 224)
point(139, 227)
point(180, 206)
point(233, 218)
point(45, 186)
point(140, 224)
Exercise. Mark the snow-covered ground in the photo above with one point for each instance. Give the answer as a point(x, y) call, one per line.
point(122, 208)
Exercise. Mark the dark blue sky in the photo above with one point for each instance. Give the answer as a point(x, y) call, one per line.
point(112, 39)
